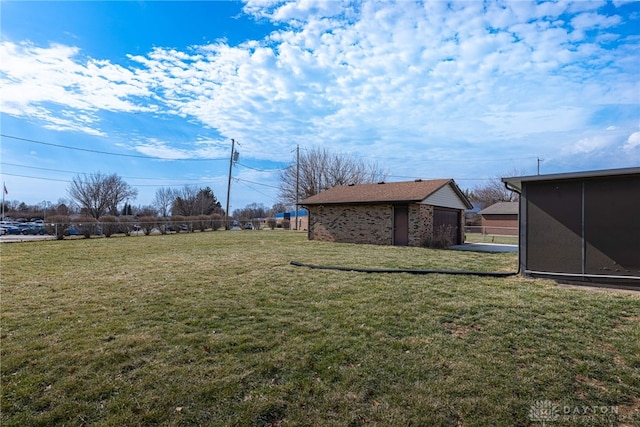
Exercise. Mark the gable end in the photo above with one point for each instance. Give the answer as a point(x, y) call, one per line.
point(446, 197)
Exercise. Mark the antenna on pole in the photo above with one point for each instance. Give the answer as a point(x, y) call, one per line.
point(539, 160)
point(234, 158)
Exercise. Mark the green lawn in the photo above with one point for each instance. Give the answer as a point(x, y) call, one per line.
point(491, 238)
point(218, 328)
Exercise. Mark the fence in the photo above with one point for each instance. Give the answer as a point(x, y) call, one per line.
point(88, 227)
point(491, 230)
point(63, 226)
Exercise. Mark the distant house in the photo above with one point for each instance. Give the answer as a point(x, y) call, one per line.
point(582, 226)
point(303, 219)
point(500, 218)
point(396, 213)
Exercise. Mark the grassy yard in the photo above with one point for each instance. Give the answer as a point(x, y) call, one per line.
point(218, 329)
point(491, 238)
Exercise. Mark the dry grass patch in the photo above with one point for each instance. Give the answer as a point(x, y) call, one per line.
point(219, 329)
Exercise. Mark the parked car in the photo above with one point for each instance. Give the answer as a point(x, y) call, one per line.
point(71, 231)
point(11, 229)
point(32, 228)
point(248, 226)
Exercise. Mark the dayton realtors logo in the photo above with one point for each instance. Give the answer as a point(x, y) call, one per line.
point(547, 411)
point(544, 411)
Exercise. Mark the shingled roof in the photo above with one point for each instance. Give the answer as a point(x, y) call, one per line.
point(411, 191)
point(501, 208)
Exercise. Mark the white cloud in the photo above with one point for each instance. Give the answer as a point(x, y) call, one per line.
point(590, 21)
point(367, 76)
point(519, 124)
point(296, 12)
point(590, 144)
point(633, 142)
point(58, 75)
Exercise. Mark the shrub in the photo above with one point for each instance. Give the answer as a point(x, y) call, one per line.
point(86, 225)
point(57, 224)
point(163, 225)
point(126, 225)
point(177, 221)
point(202, 222)
point(110, 225)
point(216, 222)
point(147, 223)
point(442, 238)
point(188, 224)
point(271, 222)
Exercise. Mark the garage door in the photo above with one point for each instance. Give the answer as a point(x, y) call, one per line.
point(447, 221)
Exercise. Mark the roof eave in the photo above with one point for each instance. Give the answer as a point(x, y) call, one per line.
point(516, 181)
point(361, 202)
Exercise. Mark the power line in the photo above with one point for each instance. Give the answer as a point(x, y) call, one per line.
point(456, 179)
point(85, 173)
point(261, 170)
point(257, 183)
point(137, 156)
point(258, 191)
point(466, 159)
point(136, 185)
point(35, 177)
point(80, 173)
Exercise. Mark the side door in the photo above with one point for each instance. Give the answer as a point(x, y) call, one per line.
point(401, 225)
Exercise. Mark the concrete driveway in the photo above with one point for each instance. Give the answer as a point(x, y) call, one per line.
point(485, 247)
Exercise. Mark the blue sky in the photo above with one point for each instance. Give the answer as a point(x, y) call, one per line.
point(154, 91)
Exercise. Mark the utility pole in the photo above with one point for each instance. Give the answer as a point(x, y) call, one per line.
point(297, 181)
point(539, 160)
point(234, 156)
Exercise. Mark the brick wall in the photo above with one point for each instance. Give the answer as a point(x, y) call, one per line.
point(371, 224)
point(420, 224)
point(500, 224)
point(352, 224)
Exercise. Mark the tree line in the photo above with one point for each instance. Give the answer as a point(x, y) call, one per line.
point(314, 170)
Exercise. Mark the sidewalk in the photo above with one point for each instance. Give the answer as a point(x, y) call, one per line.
point(485, 247)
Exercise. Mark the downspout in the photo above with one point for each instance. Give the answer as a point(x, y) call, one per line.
point(514, 189)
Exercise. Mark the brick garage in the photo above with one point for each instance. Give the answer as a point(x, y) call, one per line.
point(397, 213)
point(500, 218)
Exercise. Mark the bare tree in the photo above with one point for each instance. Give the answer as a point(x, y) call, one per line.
point(318, 170)
point(251, 211)
point(163, 200)
point(147, 210)
point(494, 191)
point(184, 203)
point(191, 201)
point(63, 207)
point(99, 193)
point(280, 207)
